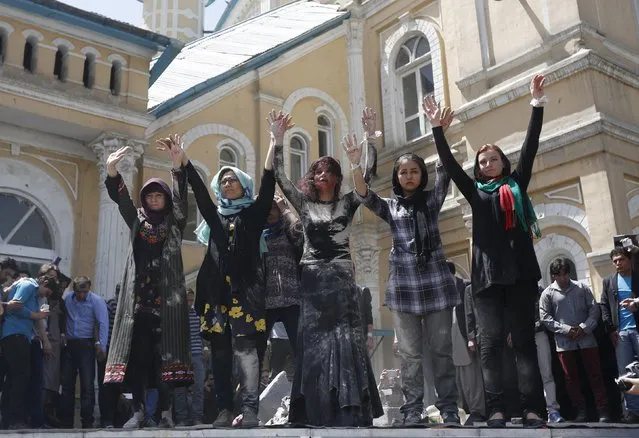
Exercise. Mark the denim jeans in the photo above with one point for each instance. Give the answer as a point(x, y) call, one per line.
point(438, 327)
point(78, 356)
point(501, 310)
point(17, 355)
point(241, 352)
point(194, 408)
point(627, 351)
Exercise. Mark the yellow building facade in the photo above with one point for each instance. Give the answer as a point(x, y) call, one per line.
point(324, 62)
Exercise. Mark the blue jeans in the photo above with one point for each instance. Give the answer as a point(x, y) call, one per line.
point(627, 350)
point(192, 409)
point(78, 356)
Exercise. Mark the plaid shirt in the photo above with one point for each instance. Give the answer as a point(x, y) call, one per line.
point(416, 284)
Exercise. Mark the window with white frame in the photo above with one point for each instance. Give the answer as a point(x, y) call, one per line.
point(299, 157)
point(194, 217)
point(30, 54)
point(60, 64)
point(325, 135)
point(228, 157)
point(414, 70)
point(25, 233)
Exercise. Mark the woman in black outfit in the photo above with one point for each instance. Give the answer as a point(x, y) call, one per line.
point(505, 271)
point(230, 285)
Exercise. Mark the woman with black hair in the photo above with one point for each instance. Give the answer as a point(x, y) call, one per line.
point(150, 344)
point(334, 383)
point(505, 271)
point(420, 288)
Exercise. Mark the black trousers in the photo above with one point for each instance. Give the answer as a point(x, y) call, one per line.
point(17, 355)
point(509, 309)
point(289, 316)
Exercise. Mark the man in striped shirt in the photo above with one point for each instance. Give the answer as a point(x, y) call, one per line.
point(192, 413)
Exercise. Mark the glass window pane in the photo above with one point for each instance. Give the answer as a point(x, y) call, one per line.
point(409, 88)
point(227, 155)
point(403, 58)
point(410, 44)
point(296, 168)
point(426, 75)
point(323, 121)
point(13, 209)
point(413, 130)
point(422, 48)
point(296, 143)
point(322, 136)
point(34, 232)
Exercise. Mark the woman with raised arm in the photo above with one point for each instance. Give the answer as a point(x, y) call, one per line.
point(150, 339)
point(334, 383)
point(420, 288)
point(230, 291)
point(504, 266)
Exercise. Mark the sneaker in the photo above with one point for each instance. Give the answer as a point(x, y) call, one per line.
point(412, 419)
point(250, 419)
point(604, 416)
point(150, 422)
point(450, 417)
point(224, 419)
point(166, 423)
point(581, 416)
point(135, 422)
point(555, 417)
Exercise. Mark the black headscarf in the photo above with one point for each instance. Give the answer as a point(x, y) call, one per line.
point(155, 185)
point(417, 201)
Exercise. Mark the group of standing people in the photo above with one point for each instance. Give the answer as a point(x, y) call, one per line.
point(252, 240)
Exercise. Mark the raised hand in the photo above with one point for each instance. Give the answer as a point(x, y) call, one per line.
point(176, 149)
point(432, 111)
point(353, 149)
point(369, 121)
point(537, 86)
point(279, 123)
point(447, 117)
point(114, 159)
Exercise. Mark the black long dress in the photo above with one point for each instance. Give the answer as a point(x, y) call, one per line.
point(334, 383)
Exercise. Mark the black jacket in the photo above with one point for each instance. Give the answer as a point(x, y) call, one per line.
point(241, 260)
point(500, 256)
point(610, 297)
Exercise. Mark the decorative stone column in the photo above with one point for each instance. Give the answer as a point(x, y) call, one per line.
point(113, 233)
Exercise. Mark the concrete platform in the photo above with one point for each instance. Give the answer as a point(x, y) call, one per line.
point(565, 431)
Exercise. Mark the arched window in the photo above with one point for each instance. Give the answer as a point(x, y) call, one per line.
point(116, 78)
point(228, 157)
point(325, 135)
point(88, 75)
point(60, 65)
point(299, 157)
point(30, 54)
point(194, 217)
point(24, 232)
point(414, 69)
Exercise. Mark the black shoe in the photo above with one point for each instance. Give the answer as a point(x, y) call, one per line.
point(224, 419)
point(18, 426)
point(450, 417)
point(533, 423)
point(604, 416)
point(474, 418)
point(581, 416)
point(412, 419)
point(249, 419)
point(496, 423)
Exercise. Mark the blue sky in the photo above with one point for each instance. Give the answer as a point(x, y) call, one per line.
point(130, 11)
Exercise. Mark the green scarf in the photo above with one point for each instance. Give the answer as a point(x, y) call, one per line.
point(524, 210)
